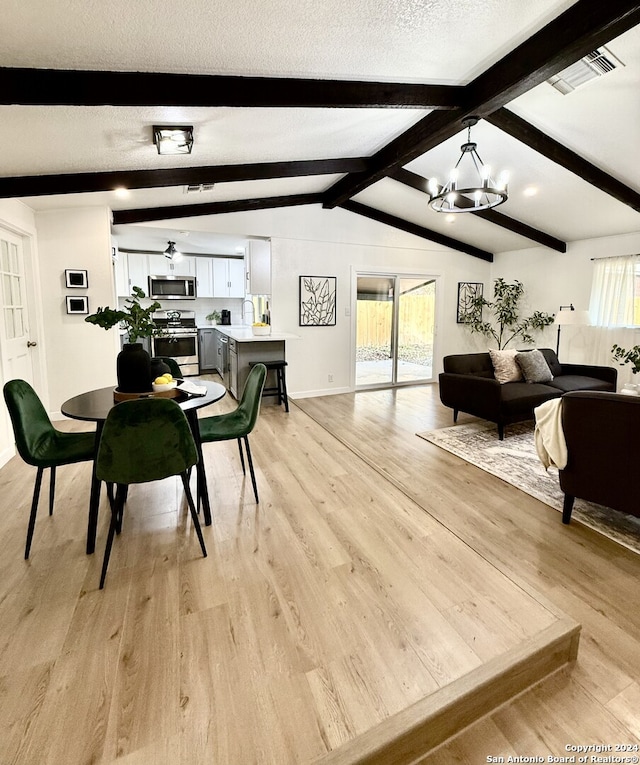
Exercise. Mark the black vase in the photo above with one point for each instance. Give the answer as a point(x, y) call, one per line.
point(134, 369)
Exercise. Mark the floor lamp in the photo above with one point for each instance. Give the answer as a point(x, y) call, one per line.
point(568, 315)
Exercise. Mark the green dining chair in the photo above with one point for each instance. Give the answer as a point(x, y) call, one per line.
point(239, 423)
point(144, 440)
point(40, 444)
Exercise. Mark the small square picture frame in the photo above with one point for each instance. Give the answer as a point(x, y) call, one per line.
point(77, 304)
point(76, 279)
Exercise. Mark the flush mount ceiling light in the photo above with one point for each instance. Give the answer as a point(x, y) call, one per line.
point(470, 186)
point(171, 253)
point(173, 139)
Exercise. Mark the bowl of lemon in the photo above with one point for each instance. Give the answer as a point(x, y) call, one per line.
point(164, 383)
point(261, 328)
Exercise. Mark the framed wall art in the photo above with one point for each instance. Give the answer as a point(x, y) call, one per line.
point(76, 279)
point(318, 301)
point(467, 293)
point(77, 304)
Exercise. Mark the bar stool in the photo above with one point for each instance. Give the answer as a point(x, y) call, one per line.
point(280, 389)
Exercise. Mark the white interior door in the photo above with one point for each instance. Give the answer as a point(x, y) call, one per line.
point(17, 344)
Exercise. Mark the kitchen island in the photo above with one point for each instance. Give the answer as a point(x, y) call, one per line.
point(244, 348)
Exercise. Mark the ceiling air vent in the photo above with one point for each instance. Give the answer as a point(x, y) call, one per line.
point(198, 188)
point(594, 64)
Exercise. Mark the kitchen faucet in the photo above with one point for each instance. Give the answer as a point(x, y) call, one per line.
point(252, 308)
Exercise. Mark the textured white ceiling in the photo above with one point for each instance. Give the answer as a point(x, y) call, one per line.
point(403, 40)
point(431, 41)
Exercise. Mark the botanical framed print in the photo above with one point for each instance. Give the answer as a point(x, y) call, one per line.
point(318, 301)
point(78, 279)
point(467, 293)
point(77, 304)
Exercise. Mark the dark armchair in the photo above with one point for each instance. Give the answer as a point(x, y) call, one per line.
point(603, 447)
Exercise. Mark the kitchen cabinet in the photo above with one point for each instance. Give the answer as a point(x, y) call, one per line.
point(158, 265)
point(121, 273)
point(207, 350)
point(204, 277)
point(228, 277)
point(233, 368)
point(241, 354)
point(131, 271)
point(138, 272)
point(258, 266)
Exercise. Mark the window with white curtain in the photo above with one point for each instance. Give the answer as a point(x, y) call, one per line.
point(614, 310)
point(615, 292)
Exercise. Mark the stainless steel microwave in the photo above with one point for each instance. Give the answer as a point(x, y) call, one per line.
point(172, 287)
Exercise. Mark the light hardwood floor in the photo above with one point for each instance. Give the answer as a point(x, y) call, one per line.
point(592, 579)
point(314, 616)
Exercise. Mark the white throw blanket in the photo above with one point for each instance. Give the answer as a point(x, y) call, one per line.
point(549, 436)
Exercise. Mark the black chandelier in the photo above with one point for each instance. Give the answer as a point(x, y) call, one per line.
point(470, 187)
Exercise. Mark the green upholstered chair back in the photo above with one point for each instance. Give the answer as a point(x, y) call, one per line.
point(145, 440)
point(32, 427)
point(249, 406)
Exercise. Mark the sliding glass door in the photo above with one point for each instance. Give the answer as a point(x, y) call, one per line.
point(395, 329)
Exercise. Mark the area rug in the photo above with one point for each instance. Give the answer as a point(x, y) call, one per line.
point(515, 460)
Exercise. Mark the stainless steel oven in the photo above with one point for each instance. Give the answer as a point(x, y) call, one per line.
point(179, 339)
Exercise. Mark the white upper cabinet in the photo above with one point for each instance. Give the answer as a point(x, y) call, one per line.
point(204, 277)
point(228, 277)
point(258, 265)
point(161, 266)
point(138, 272)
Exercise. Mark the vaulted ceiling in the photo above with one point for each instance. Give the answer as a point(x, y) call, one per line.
point(343, 105)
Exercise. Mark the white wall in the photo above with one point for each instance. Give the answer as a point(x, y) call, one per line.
point(313, 241)
point(552, 279)
point(80, 356)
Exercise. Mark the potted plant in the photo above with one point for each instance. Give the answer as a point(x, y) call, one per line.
point(506, 324)
point(214, 317)
point(632, 356)
point(133, 362)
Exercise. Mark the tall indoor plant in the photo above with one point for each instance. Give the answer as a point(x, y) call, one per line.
point(505, 324)
point(133, 362)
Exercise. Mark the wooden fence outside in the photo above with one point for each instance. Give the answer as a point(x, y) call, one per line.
point(416, 317)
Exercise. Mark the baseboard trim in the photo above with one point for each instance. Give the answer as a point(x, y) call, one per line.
point(411, 734)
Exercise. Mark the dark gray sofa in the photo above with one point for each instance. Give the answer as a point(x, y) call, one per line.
point(467, 384)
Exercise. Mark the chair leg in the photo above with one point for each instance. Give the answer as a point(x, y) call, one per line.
point(500, 432)
point(250, 461)
point(122, 491)
point(567, 508)
point(244, 472)
point(34, 511)
point(194, 514)
point(283, 387)
point(115, 514)
point(52, 488)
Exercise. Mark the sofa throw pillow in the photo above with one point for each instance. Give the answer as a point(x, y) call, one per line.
point(534, 366)
point(505, 368)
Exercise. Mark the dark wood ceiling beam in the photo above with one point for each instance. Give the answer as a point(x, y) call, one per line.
point(78, 183)
point(418, 182)
point(53, 87)
point(574, 33)
point(523, 131)
point(414, 228)
point(213, 208)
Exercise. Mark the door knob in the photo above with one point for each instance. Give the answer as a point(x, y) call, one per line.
point(31, 344)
